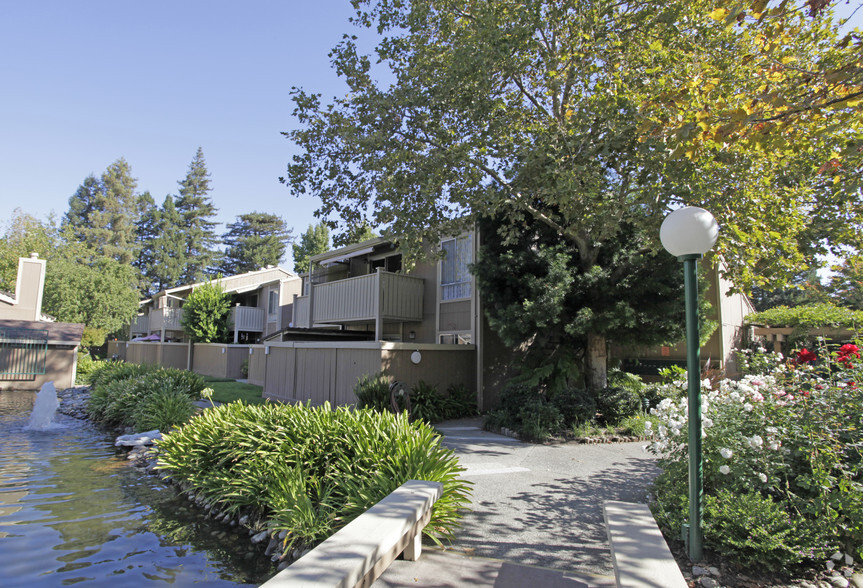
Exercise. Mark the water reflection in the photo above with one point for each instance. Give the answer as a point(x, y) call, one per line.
point(72, 512)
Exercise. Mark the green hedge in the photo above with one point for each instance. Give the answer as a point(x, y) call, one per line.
point(810, 316)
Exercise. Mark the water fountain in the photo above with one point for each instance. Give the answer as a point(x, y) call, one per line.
point(42, 417)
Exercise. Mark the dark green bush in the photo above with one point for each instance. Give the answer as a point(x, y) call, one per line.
point(539, 420)
point(309, 471)
point(462, 401)
point(576, 405)
point(752, 529)
point(615, 404)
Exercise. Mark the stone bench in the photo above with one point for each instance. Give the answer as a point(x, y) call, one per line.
point(360, 551)
point(640, 556)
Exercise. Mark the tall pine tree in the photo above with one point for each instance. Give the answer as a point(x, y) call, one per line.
point(196, 209)
point(104, 213)
point(146, 235)
point(256, 240)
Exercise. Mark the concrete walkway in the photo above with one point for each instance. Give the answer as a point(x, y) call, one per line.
point(536, 517)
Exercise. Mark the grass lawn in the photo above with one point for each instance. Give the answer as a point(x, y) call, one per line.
point(229, 390)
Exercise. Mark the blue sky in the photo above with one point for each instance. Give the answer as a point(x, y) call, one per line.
point(84, 83)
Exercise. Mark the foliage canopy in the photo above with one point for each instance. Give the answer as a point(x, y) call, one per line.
point(591, 116)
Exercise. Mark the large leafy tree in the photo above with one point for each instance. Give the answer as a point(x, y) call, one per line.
point(24, 234)
point(315, 240)
point(81, 284)
point(354, 234)
point(254, 241)
point(555, 110)
point(103, 212)
point(495, 106)
point(197, 210)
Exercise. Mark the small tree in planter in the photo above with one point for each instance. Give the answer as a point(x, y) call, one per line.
point(206, 314)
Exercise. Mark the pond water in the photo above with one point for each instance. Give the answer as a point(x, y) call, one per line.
point(73, 511)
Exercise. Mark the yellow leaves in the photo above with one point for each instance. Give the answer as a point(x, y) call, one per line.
point(788, 59)
point(719, 14)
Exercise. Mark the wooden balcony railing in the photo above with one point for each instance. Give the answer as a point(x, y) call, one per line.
point(373, 297)
point(249, 318)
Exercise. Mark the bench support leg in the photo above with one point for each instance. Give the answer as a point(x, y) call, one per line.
point(414, 548)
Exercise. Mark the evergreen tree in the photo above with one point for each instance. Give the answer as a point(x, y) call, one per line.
point(169, 250)
point(145, 237)
point(256, 240)
point(103, 213)
point(162, 246)
point(315, 240)
point(559, 307)
point(196, 210)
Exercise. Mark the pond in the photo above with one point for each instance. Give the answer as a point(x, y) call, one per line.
point(73, 511)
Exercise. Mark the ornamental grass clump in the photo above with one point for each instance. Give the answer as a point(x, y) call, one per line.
point(309, 471)
point(143, 397)
point(783, 462)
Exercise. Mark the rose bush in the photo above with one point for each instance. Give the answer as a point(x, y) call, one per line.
point(782, 461)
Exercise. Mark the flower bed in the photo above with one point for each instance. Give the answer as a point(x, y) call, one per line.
point(782, 462)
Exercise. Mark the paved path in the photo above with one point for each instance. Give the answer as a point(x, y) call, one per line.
point(532, 505)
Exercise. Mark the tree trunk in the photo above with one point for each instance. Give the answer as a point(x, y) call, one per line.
point(597, 374)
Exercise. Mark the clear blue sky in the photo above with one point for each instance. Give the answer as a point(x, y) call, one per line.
point(85, 82)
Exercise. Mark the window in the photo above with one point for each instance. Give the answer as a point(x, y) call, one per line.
point(273, 305)
point(454, 274)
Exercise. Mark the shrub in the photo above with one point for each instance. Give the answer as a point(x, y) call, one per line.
point(163, 410)
point(788, 445)
point(310, 470)
point(808, 316)
point(616, 404)
point(462, 401)
point(539, 420)
point(120, 400)
point(373, 391)
point(85, 366)
point(575, 405)
point(427, 404)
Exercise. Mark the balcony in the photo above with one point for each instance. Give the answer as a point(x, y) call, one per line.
point(382, 296)
point(167, 319)
point(141, 324)
point(249, 318)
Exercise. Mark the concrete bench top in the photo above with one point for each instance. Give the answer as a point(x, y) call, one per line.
point(639, 553)
point(362, 549)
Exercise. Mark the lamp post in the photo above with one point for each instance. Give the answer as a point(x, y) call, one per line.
point(688, 233)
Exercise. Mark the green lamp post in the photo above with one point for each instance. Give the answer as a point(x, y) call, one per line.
point(688, 233)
